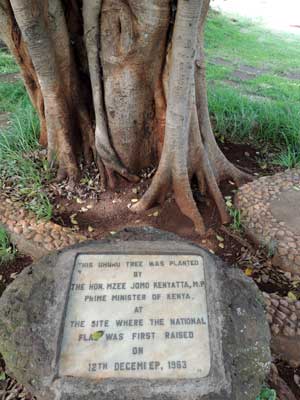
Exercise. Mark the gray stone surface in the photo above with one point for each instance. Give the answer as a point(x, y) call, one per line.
point(32, 315)
point(270, 216)
point(287, 209)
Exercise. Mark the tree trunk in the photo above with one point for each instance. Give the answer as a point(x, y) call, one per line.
point(122, 82)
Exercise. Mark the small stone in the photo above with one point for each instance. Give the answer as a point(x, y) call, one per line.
point(267, 302)
point(290, 324)
point(280, 234)
point(284, 310)
point(57, 243)
point(271, 310)
point(284, 303)
point(275, 329)
point(38, 238)
point(274, 296)
point(29, 235)
point(282, 251)
point(278, 321)
point(275, 302)
point(282, 316)
point(297, 260)
point(297, 305)
point(293, 317)
point(18, 230)
point(287, 331)
point(55, 234)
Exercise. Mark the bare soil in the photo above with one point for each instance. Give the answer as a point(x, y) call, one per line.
point(9, 271)
point(97, 213)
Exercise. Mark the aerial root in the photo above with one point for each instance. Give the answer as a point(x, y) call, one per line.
point(186, 203)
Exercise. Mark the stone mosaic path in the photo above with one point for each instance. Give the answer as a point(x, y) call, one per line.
point(283, 315)
point(32, 237)
point(270, 213)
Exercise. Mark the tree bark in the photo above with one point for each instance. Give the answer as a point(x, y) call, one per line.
point(122, 82)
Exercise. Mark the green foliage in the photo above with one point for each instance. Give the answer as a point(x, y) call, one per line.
point(267, 394)
point(243, 41)
point(19, 166)
point(263, 107)
point(7, 63)
point(7, 250)
point(236, 219)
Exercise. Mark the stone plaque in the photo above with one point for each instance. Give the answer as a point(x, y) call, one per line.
point(136, 316)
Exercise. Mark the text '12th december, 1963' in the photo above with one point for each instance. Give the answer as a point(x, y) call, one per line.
point(136, 316)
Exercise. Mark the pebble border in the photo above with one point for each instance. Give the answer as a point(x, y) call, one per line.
point(283, 315)
point(32, 237)
point(253, 200)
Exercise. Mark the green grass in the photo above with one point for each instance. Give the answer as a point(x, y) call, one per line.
point(243, 41)
point(7, 250)
point(18, 145)
point(7, 64)
point(263, 110)
point(267, 394)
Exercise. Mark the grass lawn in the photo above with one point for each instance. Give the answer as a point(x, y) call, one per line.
point(19, 142)
point(254, 85)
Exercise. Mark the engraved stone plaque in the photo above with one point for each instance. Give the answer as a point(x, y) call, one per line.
point(136, 316)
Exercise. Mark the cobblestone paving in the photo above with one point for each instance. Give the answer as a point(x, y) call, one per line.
point(270, 209)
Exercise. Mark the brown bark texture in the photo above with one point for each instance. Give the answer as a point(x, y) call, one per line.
point(122, 83)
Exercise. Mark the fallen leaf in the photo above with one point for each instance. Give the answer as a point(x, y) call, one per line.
point(229, 203)
point(134, 200)
point(155, 214)
point(221, 245)
point(292, 296)
point(248, 271)
point(79, 201)
point(14, 275)
point(112, 232)
point(220, 238)
point(134, 190)
point(90, 229)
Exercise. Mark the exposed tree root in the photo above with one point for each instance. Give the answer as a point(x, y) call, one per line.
point(203, 157)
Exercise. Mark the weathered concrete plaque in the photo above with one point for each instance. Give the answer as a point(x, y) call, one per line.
point(136, 316)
